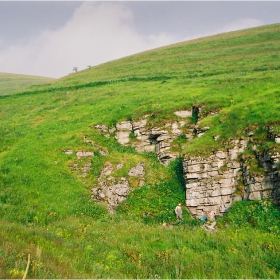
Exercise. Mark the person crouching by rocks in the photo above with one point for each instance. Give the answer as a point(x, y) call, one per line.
point(178, 212)
point(211, 215)
point(204, 218)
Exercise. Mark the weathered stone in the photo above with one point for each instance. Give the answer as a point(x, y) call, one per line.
point(122, 137)
point(81, 154)
point(213, 173)
point(226, 191)
point(255, 196)
point(189, 136)
point(162, 146)
point(163, 137)
point(183, 114)
point(107, 170)
point(102, 195)
point(181, 123)
point(125, 125)
point(158, 131)
point(211, 183)
point(233, 164)
point(175, 129)
point(195, 168)
point(154, 139)
point(145, 147)
point(116, 194)
point(141, 137)
point(119, 166)
point(191, 176)
point(110, 190)
point(137, 171)
point(192, 185)
point(215, 192)
point(112, 130)
point(191, 202)
point(102, 127)
point(221, 155)
point(269, 184)
point(139, 124)
point(103, 153)
point(239, 147)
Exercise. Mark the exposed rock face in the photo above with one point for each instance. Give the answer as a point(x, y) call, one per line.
point(155, 139)
point(149, 140)
point(266, 184)
point(112, 191)
point(214, 183)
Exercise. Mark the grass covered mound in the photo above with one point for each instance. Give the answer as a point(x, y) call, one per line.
point(14, 82)
point(45, 207)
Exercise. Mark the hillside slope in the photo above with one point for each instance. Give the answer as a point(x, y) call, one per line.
point(60, 151)
point(15, 82)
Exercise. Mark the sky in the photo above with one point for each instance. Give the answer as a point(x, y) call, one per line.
point(50, 38)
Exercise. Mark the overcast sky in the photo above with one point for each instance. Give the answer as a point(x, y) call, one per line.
point(49, 38)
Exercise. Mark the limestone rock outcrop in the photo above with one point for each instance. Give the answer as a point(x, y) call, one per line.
point(158, 139)
point(148, 140)
point(113, 191)
point(215, 182)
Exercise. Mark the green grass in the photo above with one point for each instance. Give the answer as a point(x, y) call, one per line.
point(121, 247)
point(14, 82)
point(46, 210)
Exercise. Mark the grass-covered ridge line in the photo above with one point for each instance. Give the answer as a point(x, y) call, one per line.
point(45, 207)
point(14, 82)
point(214, 74)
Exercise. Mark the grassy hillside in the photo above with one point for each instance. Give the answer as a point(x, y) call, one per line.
point(14, 82)
point(45, 207)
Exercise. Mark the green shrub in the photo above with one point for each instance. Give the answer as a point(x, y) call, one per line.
point(259, 214)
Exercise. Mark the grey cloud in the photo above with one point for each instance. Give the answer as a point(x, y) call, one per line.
point(96, 33)
point(49, 38)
